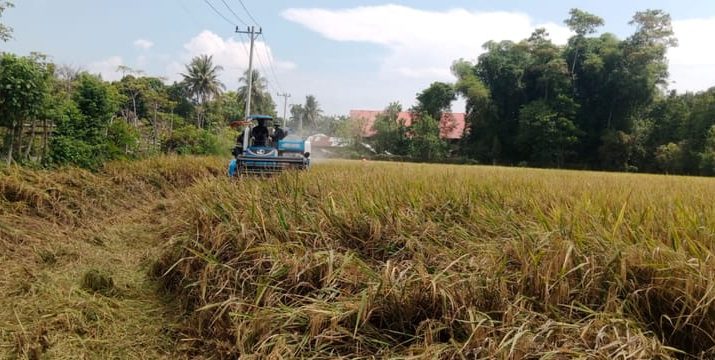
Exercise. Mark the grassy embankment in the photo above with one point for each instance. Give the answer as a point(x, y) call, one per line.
point(75, 249)
point(396, 260)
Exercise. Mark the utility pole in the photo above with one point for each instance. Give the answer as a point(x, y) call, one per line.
point(253, 35)
point(285, 106)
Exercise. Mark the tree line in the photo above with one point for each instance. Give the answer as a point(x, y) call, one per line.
point(54, 115)
point(597, 102)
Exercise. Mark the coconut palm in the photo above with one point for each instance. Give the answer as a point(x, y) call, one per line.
point(202, 83)
point(261, 100)
point(311, 112)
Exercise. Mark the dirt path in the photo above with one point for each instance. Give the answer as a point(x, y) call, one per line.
point(50, 311)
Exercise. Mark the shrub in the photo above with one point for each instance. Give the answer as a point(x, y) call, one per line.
point(191, 140)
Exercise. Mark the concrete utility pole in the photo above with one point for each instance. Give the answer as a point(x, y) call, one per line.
point(253, 35)
point(285, 106)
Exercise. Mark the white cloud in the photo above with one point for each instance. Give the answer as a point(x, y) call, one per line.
point(232, 55)
point(143, 44)
point(692, 63)
point(107, 68)
point(421, 44)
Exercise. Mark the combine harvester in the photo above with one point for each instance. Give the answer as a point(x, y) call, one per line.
point(266, 156)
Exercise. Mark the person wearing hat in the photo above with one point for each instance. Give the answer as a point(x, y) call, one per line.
point(260, 133)
point(278, 133)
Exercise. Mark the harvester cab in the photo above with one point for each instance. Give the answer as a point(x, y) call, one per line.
point(261, 151)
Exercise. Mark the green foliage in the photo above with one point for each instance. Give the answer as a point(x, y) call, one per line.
point(225, 109)
point(582, 22)
point(591, 100)
point(122, 140)
point(308, 117)
point(67, 150)
point(707, 157)
point(191, 140)
point(547, 133)
point(436, 99)
point(23, 87)
point(669, 157)
point(23, 82)
point(82, 126)
point(261, 100)
point(98, 102)
point(202, 84)
point(424, 141)
point(5, 31)
point(391, 132)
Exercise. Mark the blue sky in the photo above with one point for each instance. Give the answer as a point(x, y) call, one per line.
point(350, 54)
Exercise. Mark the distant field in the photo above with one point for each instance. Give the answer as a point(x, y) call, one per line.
point(362, 259)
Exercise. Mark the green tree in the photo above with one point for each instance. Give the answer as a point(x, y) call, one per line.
point(391, 132)
point(179, 94)
point(311, 112)
point(5, 31)
point(501, 69)
point(669, 158)
point(478, 110)
point(202, 83)
point(332, 125)
point(424, 140)
point(435, 100)
point(23, 88)
point(707, 156)
point(306, 116)
point(261, 100)
point(191, 140)
point(547, 133)
point(133, 88)
point(82, 126)
point(297, 114)
point(582, 23)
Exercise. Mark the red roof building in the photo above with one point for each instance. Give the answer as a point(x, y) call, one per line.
point(451, 125)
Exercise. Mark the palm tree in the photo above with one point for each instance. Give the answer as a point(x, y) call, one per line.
point(296, 117)
point(261, 101)
point(312, 112)
point(202, 83)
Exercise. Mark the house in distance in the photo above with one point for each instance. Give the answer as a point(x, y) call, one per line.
point(451, 125)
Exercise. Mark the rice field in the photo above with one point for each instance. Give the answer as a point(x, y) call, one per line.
point(387, 260)
point(76, 248)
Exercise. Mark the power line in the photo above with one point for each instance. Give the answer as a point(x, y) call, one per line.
point(219, 13)
point(270, 60)
point(243, 44)
point(248, 12)
point(234, 13)
point(263, 68)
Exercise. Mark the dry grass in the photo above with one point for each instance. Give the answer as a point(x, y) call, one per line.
point(355, 260)
point(365, 260)
point(76, 247)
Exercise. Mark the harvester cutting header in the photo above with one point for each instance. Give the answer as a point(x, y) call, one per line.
point(262, 151)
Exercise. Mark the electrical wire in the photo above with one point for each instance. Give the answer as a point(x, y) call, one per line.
point(219, 13)
point(234, 13)
point(249, 13)
point(270, 61)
